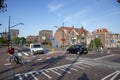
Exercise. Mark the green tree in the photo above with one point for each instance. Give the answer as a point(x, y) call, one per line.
point(22, 40)
point(97, 42)
point(3, 6)
point(118, 1)
point(16, 40)
point(1, 40)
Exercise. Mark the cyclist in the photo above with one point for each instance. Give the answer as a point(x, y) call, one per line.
point(11, 52)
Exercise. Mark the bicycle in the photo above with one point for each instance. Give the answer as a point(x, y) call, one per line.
point(15, 59)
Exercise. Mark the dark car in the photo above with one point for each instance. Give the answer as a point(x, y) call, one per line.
point(78, 49)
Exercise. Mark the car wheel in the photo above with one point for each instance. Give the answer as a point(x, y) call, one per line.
point(78, 52)
point(85, 51)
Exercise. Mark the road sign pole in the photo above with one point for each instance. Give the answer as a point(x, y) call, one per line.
point(52, 41)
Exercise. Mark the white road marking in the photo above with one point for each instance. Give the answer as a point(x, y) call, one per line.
point(104, 57)
point(62, 68)
point(46, 75)
point(34, 77)
point(25, 53)
point(85, 65)
point(112, 76)
point(48, 58)
point(7, 64)
point(7, 59)
point(89, 64)
point(29, 60)
point(74, 69)
point(79, 67)
point(19, 54)
point(55, 72)
point(20, 76)
point(39, 59)
point(46, 70)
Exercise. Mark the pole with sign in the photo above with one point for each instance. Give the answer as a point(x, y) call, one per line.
point(52, 41)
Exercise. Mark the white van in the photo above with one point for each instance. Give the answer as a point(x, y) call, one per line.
point(36, 48)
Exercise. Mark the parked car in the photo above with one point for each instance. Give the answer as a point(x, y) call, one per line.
point(36, 48)
point(78, 49)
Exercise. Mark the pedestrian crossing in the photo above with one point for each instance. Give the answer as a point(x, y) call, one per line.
point(57, 71)
point(23, 54)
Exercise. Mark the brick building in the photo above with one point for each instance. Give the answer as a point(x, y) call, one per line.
point(44, 36)
point(31, 38)
point(104, 36)
point(66, 36)
point(14, 33)
point(115, 40)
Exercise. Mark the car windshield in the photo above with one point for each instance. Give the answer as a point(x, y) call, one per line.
point(76, 46)
point(36, 46)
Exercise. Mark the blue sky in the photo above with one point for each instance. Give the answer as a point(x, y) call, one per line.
point(40, 15)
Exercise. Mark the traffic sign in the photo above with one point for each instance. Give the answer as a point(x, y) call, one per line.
point(112, 41)
point(52, 39)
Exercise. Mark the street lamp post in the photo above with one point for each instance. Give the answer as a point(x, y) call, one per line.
point(9, 26)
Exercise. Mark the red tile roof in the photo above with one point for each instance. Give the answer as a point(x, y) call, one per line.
point(78, 30)
point(101, 30)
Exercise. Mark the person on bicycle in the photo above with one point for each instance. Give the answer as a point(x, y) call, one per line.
point(11, 52)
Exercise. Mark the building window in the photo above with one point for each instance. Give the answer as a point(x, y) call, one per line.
point(83, 35)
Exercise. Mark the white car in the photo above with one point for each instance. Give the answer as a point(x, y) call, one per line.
point(36, 48)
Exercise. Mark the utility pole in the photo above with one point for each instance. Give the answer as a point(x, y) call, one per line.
point(63, 36)
point(9, 32)
point(9, 26)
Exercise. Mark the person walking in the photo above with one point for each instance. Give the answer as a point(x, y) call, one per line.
point(101, 49)
point(108, 50)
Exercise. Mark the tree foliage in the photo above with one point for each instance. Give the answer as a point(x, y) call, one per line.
point(95, 43)
point(1, 40)
point(3, 6)
point(19, 40)
point(118, 1)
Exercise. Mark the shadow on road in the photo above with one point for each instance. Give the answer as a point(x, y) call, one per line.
point(50, 62)
point(67, 69)
point(83, 77)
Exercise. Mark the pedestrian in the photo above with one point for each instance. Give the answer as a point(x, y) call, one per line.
point(101, 49)
point(108, 50)
point(11, 52)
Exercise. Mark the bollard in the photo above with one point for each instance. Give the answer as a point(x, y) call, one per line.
point(53, 50)
point(108, 50)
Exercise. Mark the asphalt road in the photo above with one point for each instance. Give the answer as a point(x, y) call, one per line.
point(61, 66)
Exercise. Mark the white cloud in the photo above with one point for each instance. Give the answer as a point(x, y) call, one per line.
point(54, 7)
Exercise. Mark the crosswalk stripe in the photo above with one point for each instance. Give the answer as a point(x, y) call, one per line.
point(55, 72)
point(19, 54)
point(7, 64)
point(74, 69)
point(46, 75)
point(25, 53)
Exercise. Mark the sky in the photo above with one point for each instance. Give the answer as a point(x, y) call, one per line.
point(40, 15)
